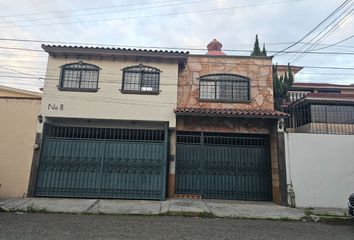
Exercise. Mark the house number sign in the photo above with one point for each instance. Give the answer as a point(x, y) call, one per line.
point(55, 107)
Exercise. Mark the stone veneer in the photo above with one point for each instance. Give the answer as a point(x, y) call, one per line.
point(257, 69)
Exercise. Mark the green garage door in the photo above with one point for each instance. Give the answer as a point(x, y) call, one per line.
point(102, 163)
point(223, 166)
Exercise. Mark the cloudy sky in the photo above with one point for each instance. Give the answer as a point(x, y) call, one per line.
point(179, 24)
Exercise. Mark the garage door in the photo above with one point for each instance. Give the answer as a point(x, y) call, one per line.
point(102, 163)
point(223, 166)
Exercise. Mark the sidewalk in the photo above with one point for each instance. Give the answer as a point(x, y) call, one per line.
point(191, 207)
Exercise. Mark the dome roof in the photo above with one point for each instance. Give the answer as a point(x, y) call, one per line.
point(214, 48)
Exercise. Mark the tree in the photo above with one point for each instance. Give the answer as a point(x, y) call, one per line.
point(281, 85)
point(264, 51)
point(257, 50)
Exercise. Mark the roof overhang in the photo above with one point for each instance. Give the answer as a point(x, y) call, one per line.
point(113, 53)
point(232, 113)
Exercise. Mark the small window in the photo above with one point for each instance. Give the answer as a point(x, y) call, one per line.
point(141, 79)
point(79, 77)
point(224, 87)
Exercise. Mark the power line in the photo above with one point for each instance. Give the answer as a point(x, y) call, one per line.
point(195, 49)
point(335, 44)
point(157, 15)
point(81, 9)
point(137, 46)
point(343, 17)
point(316, 27)
point(115, 11)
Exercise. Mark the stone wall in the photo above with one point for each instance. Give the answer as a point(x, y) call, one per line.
point(226, 125)
point(257, 69)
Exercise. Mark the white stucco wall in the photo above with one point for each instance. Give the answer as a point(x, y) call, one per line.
point(320, 168)
point(108, 102)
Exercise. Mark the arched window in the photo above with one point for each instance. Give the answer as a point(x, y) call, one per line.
point(79, 77)
point(141, 79)
point(224, 87)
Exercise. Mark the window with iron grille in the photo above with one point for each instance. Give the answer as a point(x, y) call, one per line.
point(79, 77)
point(141, 79)
point(224, 87)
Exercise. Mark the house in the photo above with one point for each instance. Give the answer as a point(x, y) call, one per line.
point(331, 113)
point(320, 108)
point(227, 128)
point(299, 90)
point(19, 110)
point(143, 124)
point(106, 121)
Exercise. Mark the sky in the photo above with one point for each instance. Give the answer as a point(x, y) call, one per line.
point(179, 24)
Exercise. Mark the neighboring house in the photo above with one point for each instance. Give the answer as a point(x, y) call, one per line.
point(320, 108)
point(19, 110)
point(298, 90)
point(331, 113)
point(319, 142)
point(127, 123)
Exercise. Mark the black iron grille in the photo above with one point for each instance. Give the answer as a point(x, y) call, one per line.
point(54, 131)
point(141, 79)
point(79, 76)
point(224, 87)
point(221, 139)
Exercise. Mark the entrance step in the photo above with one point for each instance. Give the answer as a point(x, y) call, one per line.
point(190, 196)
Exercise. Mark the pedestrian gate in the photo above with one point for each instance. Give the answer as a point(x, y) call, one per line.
point(223, 166)
point(102, 163)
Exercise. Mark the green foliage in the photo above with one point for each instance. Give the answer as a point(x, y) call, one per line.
point(264, 51)
point(281, 85)
point(257, 50)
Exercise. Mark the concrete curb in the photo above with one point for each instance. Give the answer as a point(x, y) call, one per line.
point(170, 207)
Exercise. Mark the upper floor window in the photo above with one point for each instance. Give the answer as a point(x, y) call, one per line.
point(79, 77)
point(141, 79)
point(224, 87)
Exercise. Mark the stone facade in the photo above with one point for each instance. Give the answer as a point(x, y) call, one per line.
point(257, 69)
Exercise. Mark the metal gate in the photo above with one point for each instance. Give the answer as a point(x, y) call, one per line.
point(102, 163)
point(223, 166)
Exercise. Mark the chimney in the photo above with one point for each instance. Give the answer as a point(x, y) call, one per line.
point(214, 48)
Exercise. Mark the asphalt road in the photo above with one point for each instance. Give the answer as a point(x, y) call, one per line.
point(70, 226)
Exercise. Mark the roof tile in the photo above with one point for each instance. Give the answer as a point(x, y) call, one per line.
point(228, 112)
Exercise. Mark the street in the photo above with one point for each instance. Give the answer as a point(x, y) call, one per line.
point(72, 226)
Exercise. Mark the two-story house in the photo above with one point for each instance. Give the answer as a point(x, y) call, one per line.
point(227, 128)
point(126, 123)
point(104, 122)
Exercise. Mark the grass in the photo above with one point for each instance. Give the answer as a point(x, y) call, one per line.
point(32, 209)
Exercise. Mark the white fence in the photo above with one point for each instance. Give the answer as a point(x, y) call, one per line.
point(320, 168)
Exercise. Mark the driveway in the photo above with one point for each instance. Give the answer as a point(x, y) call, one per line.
point(75, 226)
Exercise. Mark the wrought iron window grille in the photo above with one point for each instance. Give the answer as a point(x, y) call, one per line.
point(224, 88)
point(141, 79)
point(79, 76)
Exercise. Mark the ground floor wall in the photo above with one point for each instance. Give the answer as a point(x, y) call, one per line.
point(243, 126)
point(17, 140)
point(320, 169)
